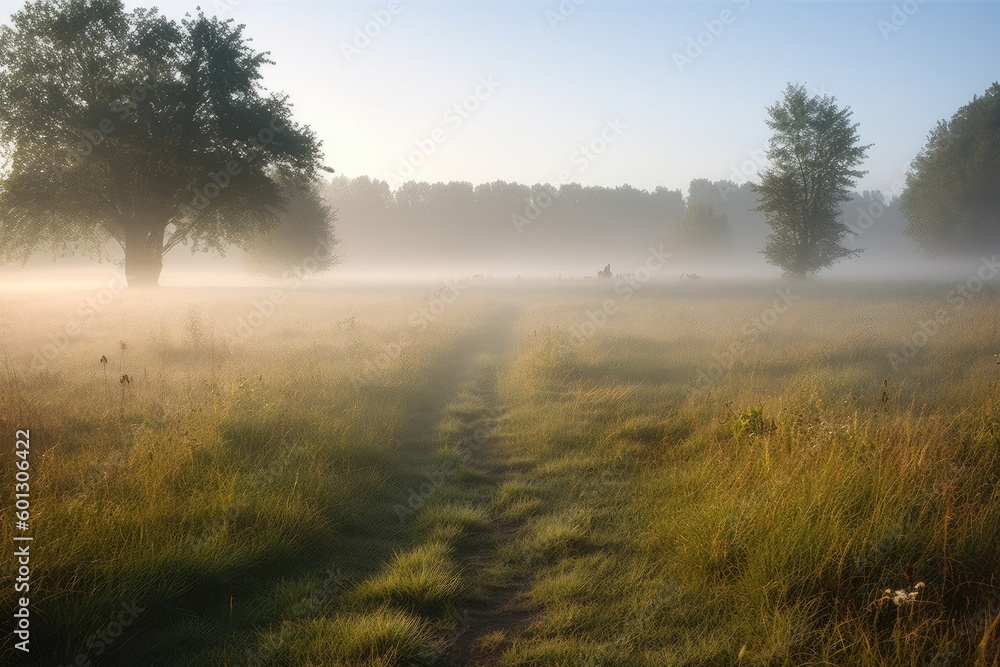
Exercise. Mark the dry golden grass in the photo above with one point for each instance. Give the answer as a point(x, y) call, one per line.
point(345, 486)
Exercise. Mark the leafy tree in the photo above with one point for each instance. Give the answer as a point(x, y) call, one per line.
point(952, 195)
point(814, 153)
point(703, 191)
point(302, 243)
point(700, 231)
point(134, 127)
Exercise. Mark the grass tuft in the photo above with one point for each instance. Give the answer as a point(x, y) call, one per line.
point(422, 579)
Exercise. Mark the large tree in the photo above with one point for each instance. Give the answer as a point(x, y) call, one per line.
point(137, 128)
point(952, 195)
point(813, 156)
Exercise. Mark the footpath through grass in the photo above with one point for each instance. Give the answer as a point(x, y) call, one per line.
point(500, 490)
point(228, 498)
point(809, 506)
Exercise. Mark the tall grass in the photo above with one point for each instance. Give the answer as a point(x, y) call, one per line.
point(763, 518)
point(500, 489)
point(220, 475)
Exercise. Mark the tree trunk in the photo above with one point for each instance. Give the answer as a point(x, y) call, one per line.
point(144, 256)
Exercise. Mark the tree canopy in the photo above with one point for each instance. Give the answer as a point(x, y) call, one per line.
point(813, 152)
point(302, 243)
point(702, 231)
point(952, 195)
point(134, 127)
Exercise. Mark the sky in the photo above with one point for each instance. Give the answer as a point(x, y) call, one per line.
point(661, 92)
point(607, 93)
point(679, 90)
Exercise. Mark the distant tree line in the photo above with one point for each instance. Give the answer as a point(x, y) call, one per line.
point(448, 222)
point(457, 220)
point(124, 126)
point(801, 213)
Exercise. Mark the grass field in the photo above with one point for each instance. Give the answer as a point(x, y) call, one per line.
point(558, 474)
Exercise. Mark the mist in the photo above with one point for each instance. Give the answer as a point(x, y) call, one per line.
point(500, 334)
point(505, 230)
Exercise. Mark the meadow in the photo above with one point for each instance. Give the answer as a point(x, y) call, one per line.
point(553, 473)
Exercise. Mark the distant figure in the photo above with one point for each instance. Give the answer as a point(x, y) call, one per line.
point(606, 273)
point(687, 277)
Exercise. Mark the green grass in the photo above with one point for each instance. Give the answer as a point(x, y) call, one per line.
point(772, 509)
point(492, 489)
point(378, 638)
point(423, 579)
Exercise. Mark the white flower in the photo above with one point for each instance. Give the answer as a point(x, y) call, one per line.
point(903, 596)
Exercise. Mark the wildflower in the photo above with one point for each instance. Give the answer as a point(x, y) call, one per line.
point(904, 596)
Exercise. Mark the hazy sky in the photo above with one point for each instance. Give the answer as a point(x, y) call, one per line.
point(559, 76)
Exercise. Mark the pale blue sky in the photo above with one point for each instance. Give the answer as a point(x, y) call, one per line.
point(558, 87)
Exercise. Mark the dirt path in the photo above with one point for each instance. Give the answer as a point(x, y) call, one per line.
point(501, 604)
point(463, 412)
point(504, 605)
